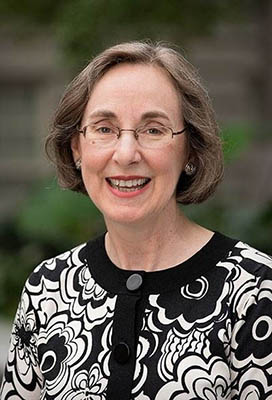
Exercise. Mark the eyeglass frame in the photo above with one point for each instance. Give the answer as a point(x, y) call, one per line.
point(136, 135)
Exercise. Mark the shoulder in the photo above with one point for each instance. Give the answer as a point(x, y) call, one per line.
point(56, 270)
point(56, 284)
point(250, 260)
point(52, 270)
point(248, 279)
point(245, 270)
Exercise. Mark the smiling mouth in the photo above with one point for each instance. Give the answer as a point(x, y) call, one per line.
point(129, 185)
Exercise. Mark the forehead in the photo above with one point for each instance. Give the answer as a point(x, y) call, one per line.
point(135, 89)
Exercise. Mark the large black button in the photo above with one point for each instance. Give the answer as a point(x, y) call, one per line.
point(134, 282)
point(121, 352)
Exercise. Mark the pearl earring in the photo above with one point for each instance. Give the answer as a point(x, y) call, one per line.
point(190, 169)
point(78, 164)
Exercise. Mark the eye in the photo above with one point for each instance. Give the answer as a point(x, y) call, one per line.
point(154, 131)
point(104, 130)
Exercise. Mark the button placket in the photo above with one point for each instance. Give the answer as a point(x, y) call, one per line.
point(123, 357)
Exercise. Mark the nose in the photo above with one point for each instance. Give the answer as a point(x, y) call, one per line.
point(127, 149)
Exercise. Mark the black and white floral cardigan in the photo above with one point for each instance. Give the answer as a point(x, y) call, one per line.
point(86, 329)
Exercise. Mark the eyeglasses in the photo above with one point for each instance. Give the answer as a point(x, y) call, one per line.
point(149, 136)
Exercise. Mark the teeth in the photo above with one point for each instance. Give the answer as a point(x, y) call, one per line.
point(114, 182)
point(121, 184)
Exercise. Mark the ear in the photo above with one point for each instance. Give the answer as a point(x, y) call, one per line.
point(75, 147)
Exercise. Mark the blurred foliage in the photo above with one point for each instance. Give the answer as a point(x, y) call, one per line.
point(59, 216)
point(50, 221)
point(250, 224)
point(84, 27)
point(236, 139)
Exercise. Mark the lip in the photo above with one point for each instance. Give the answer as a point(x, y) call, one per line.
point(127, 195)
point(127, 177)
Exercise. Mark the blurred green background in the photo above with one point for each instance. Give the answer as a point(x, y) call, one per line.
point(45, 43)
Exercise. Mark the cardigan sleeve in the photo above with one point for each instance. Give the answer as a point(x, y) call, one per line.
point(22, 377)
point(251, 338)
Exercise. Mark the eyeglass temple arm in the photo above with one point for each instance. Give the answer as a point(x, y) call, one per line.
point(179, 132)
point(83, 130)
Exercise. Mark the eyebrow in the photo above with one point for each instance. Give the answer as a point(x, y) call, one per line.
point(145, 116)
point(102, 113)
point(155, 114)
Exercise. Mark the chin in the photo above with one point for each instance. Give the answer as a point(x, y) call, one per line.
point(126, 216)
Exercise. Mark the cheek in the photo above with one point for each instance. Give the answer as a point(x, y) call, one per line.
point(170, 163)
point(92, 167)
point(94, 161)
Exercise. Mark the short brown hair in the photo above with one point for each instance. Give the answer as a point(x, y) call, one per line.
point(204, 143)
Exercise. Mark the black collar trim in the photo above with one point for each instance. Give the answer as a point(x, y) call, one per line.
point(113, 279)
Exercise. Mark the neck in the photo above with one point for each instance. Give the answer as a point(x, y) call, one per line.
point(153, 245)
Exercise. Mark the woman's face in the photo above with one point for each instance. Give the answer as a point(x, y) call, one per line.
point(128, 96)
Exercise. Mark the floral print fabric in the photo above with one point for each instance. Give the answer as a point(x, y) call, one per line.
point(208, 338)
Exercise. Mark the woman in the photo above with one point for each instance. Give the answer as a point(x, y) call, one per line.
point(159, 307)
